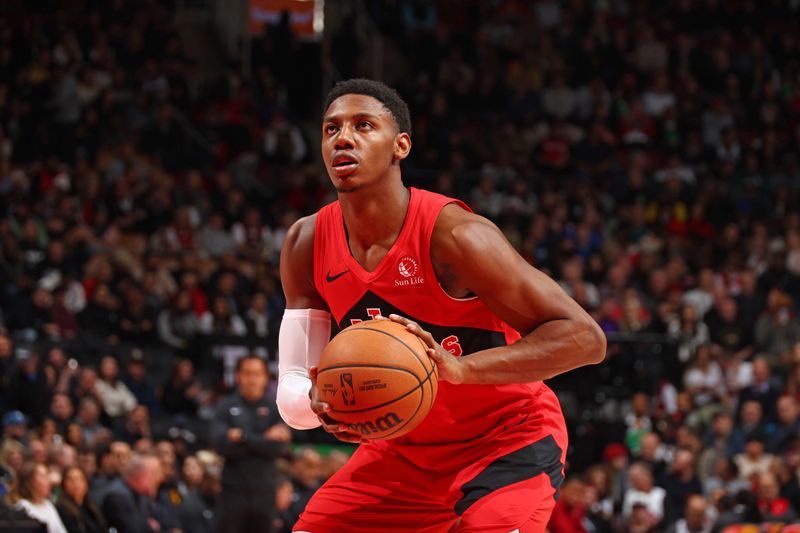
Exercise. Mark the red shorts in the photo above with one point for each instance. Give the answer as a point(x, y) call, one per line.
point(507, 484)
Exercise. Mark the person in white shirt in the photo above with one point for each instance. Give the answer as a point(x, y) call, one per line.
point(32, 496)
point(642, 491)
point(115, 396)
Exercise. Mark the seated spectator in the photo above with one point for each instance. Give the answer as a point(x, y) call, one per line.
point(136, 318)
point(773, 507)
point(88, 418)
point(654, 454)
point(137, 425)
point(718, 445)
point(642, 491)
point(679, 483)
point(182, 390)
point(754, 460)
point(138, 383)
point(178, 324)
point(129, 502)
point(61, 411)
point(198, 504)
point(696, 518)
point(638, 422)
point(78, 513)
point(569, 512)
point(33, 496)
point(704, 379)
point(728, 331)
point(257, 316)
point(15, 426)
point(12, 455)
point(689, 332)
point(221, 320)
point(725, 477)
point(788, 427)
point(778, 328)
point(764, 390)
point(751, 420)
point(115, 397)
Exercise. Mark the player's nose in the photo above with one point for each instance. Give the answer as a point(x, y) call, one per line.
point(344, 139)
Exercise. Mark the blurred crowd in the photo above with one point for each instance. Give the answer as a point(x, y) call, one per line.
point(644, 154)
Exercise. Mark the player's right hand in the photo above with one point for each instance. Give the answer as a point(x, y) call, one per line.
point(322, 410)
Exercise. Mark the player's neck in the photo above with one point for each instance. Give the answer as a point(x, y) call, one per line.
point(375, 214)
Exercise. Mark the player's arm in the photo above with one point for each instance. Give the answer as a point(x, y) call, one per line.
point(558, 335)
point(305, 328)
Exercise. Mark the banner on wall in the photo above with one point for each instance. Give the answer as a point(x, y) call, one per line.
point(301, 15)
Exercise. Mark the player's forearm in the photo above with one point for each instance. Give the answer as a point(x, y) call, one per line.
point(551, 349)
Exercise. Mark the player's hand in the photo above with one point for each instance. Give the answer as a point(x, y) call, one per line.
point(322, 410)
point(451, 369)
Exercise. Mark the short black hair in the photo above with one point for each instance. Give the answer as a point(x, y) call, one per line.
point(390, 99)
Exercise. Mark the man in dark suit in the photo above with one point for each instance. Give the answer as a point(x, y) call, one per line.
point(247, 431)
point(129, 504)
point(763, 390)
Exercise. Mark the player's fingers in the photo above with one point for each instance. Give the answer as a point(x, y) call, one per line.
point(415, 328)
point(320, 408)
point(312, 374)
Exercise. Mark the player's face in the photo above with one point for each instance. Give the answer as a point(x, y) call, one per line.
point(360, 142)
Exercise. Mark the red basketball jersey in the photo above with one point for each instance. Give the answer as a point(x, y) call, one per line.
point(405, 283)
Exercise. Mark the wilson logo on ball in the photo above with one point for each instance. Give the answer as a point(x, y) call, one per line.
point(408, 267)
point(380, 424)
point(348, 392)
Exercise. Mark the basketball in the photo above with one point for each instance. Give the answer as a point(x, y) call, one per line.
point(378, 379)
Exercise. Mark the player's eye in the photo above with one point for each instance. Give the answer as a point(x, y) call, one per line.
point(330, 129)
point(364, 125)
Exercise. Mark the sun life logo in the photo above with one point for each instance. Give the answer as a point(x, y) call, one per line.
point(407, 267)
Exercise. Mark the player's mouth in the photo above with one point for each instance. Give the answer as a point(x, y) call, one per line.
point(344, 165)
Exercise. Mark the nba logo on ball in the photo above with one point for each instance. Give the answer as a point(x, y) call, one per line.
point(348, 393)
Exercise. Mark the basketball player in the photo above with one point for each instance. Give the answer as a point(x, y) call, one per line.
point(490, 455)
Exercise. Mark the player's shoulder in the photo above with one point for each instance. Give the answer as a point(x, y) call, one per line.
point(460, 231)
point(300, 237)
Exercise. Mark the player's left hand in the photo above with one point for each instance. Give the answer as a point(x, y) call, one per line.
point(451, 369)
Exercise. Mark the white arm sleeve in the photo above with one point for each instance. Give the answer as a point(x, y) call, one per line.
point(303, 335)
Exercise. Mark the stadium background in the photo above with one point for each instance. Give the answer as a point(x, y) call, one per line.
point(645, 154)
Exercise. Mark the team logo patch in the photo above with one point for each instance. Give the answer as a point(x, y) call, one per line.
point(408, 267)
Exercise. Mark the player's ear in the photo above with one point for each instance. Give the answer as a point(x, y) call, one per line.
point(402, 146)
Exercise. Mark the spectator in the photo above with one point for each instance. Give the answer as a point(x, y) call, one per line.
point(15, 426)
point(33, 496)
point(763, 390)
point(78, 513)
point(643, 492)
point(115, 397)
point(787, 430)
point(178, 324)
point(221, 320)
point(129, 502)
point(199, 496)
point(138, 383)
point(569, 512)
point(88, 418)
point(773, 508)
point(704, 379)
point(696, 517)
point(754, 460)
point(777, 329)
point(247, 431)
point(679, 484)
point(182, 391)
